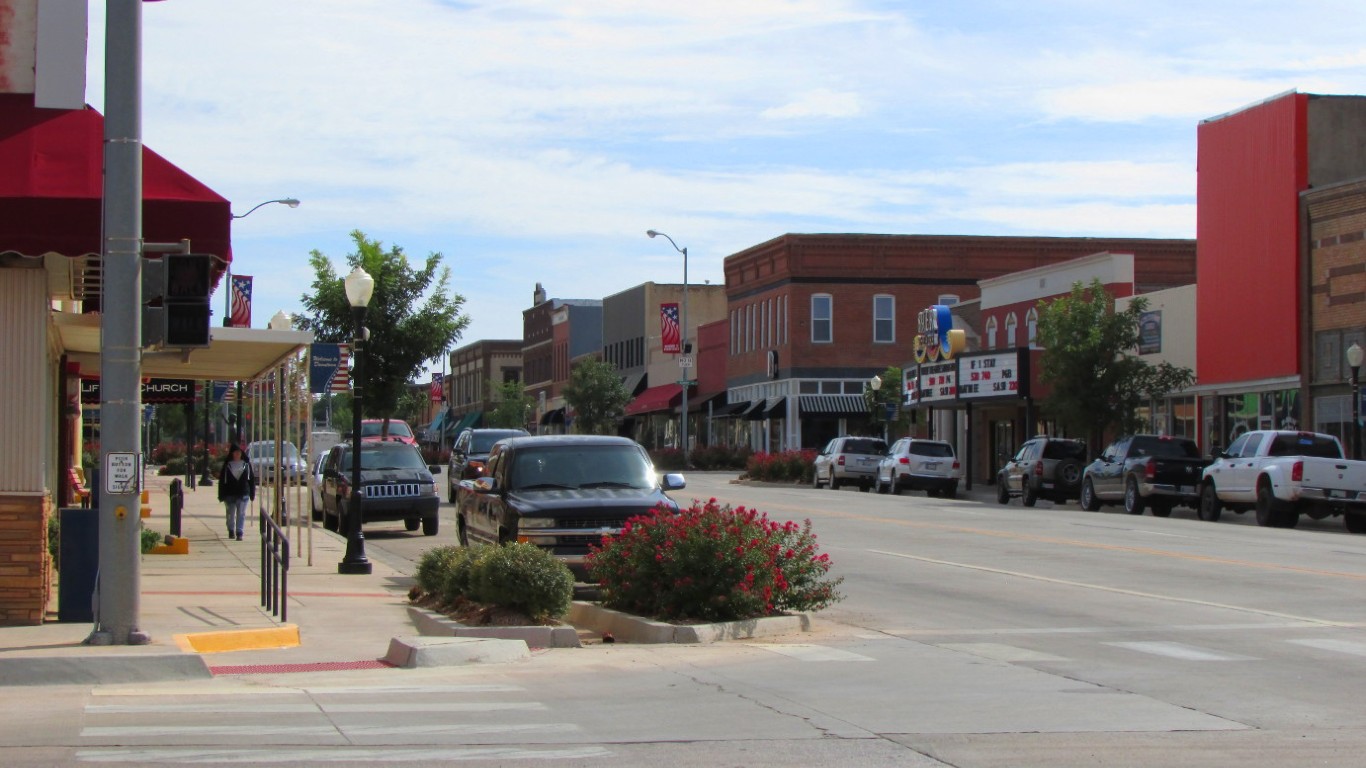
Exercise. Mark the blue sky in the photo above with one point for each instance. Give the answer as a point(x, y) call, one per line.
point(532, 141)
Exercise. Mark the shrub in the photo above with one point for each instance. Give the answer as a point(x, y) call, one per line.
point(667, 459)
point(712, 563)
point(175, 466)
point(523, 577)
point(788, 466)
point(716, 457)
point(455, 584)
point(432, 567)
point(149, 539)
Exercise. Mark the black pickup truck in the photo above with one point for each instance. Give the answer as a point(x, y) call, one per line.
point(1144, 471)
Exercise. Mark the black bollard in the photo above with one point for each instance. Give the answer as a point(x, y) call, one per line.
point(177, 494)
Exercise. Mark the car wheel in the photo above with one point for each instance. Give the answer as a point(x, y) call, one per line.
point(430, 525)
point(1002, 491)
point(1068, 472)
point(1271, 511)
point(879, 486)
point(411, 524)
point(1089, 502)
point(834, 481)
point(815, 478)
point(1210, 508)
point(932, 492)
point(329, 522)
point(864, 487)
point(1028, 496)
point(1133, 503)
point(1162, 509)
point(951, 491)
point(315, 513)
point(1354, 523)
point(450, 493)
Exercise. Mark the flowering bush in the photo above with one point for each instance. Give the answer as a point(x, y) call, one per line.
point(712, 563)
point(788, 466)
point(721, 457)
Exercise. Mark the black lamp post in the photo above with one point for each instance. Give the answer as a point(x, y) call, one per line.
point(359, 287)
point(1354, 358)
point(875, 384)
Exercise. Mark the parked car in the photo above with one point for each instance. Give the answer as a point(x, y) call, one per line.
point(1157, 471)
point(848, 460)
point(1282, 474)
point(562, 493)
point(919, 465)
point(1044, 468)
point(399, 431)
point(316, 493)
point(470, 454)
point(293, 468)
point(395, 485)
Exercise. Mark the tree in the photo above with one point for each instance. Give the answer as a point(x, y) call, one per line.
point(888, 394)
point(598, 397)
point(1098, 382)
point(513, 405)
point(413, 317)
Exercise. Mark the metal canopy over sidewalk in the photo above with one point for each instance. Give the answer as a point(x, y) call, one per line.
point(234, 354)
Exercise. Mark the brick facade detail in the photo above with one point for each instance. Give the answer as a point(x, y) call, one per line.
point(25, 573)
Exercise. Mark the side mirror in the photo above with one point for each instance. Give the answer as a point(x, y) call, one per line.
point(435, 469)
point(483, 485)
point(673, 481)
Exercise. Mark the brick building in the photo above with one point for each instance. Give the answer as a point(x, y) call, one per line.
point(555, 331)
point(471, 386)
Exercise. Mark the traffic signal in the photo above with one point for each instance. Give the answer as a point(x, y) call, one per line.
point(181, 283)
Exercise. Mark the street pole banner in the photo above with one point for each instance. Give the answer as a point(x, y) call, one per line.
point(324, 361)
point(437, 394)
point(669, 332)
point(220, 390)
point(241, 302)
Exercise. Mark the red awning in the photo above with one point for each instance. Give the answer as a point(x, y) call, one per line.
point(661, 398)
point(51, 186)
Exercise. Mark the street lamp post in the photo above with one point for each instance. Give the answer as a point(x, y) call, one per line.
point(688, 375)
point(875, 384)
point(359, 287)
point(1354, 359)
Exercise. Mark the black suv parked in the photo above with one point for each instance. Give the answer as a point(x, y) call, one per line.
point(562, 493)
point(1044, 468)
point(470, 453)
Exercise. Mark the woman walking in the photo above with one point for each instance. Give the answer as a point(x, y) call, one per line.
point(236, 487)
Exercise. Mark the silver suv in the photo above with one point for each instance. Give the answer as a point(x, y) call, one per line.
point(848, 460)
point(1044, 468)
point(919, 465)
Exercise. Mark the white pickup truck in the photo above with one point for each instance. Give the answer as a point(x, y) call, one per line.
point(1283, 474)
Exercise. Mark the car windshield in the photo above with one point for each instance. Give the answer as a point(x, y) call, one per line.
point(1064, 449)
point(1319, 446)
point(267, 451)
point(481, 442)
point(932, 449)
point(384, 456)
point(376, 428)
point(581, 466)
point(1170, 449)
point(868, 446)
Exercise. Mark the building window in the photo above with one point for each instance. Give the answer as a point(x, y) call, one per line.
point(749, 328)
point(734, 330)
point(884, 319)
point(991, 333)
point(1012, 325)
point(1032, 325)
point(782, 320)
point(822, 318)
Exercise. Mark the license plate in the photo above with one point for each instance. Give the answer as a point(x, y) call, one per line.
point(1337, 494)
point(931, 465)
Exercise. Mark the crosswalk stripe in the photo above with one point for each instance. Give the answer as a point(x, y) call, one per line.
point(244, 730)
point(248, 708)
point(1001, 652)
point(387, 755)
point(380, 691)
point(1340, 646)
point(456, 728)
point(803, 652)
point(1180, 651)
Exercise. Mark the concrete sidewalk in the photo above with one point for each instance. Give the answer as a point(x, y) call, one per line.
point(213, 595)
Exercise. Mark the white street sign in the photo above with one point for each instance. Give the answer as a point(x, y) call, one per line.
point(685, 361)
point(121, 473)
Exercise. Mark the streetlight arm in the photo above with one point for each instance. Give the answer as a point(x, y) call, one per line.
point(289, 201)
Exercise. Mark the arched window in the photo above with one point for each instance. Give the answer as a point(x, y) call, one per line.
point(991, 333)
point(1012, 326)
point(1032, 325)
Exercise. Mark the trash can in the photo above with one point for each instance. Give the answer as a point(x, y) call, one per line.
point(78, 564)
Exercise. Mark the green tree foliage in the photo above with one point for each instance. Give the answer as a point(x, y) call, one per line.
point(514, 405)
point(878, 399)
point(1098, 382)
point(598, 397)
point(413, 317)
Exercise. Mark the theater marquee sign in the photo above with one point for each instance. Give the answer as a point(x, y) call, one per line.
point(999, 375)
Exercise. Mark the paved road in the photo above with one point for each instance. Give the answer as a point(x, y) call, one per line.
point(972, 635)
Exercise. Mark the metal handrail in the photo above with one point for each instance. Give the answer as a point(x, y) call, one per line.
point(274, 567)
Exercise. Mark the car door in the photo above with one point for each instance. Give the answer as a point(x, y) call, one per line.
point(480, 510)
point(887, 467)
point(1107, 471)
point(1239, 473)
point(329, 491)
point(1014, 469)
point(821, 465)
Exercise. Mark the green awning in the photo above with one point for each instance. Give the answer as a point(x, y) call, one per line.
point(468, 420)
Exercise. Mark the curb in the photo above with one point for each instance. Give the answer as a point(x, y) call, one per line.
point(413, 652)
point(102, 670)
point(634, 629)
point(286, 636)
point(432, 624)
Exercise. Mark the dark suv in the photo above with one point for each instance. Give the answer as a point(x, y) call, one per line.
point(1044, 468)
point(562, 493)
point(395, 485)
point(470, 453)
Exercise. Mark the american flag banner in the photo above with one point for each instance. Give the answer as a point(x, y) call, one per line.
point(437, 394)
point(241, 301)
point(669, 331)
point(341, 380)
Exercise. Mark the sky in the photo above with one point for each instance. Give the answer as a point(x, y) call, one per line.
point(532, 141)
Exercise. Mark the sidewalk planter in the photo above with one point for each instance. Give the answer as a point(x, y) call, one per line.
point(175, 545)
point(432, 624)
point(635, 629)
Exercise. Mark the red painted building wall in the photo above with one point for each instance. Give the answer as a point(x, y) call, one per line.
point(1251, 167)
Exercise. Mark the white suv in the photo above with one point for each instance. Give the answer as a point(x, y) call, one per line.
point(922, 465)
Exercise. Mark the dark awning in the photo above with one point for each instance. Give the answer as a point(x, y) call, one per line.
point(731, 409)
point(52, 185)
point(661, 398)
point(772, 408)
point(631, 382)
point(832, 404)
point(553, 416)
